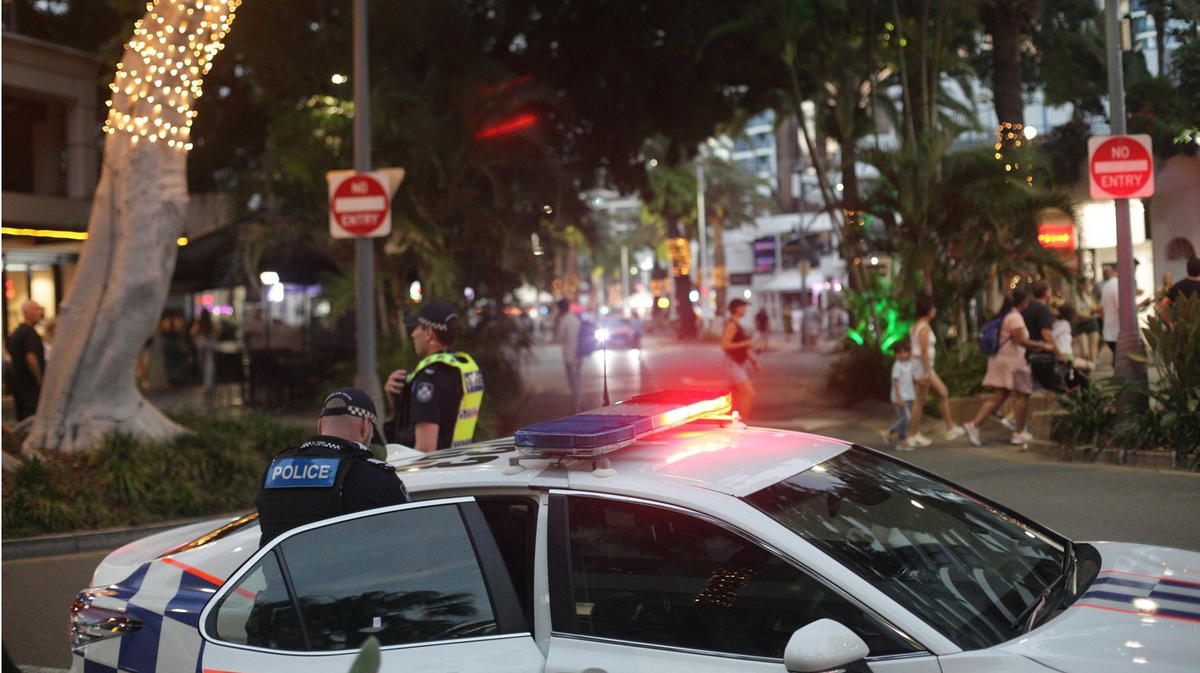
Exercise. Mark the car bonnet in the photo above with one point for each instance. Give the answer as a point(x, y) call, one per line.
point(1143, 610)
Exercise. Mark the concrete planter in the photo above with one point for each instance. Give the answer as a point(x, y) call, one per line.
point(1154, 460)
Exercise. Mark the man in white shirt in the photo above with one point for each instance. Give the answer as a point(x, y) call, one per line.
point(567, 334)
point(1110, 309)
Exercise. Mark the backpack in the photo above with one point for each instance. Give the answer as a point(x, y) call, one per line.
point(989, 336)
point(587, 337)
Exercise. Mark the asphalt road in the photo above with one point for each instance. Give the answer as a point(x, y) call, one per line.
point(1081, 501)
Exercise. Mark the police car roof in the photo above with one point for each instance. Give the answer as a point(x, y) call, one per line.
point(704, 454)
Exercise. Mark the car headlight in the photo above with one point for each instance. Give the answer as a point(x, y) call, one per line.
point(90, 624)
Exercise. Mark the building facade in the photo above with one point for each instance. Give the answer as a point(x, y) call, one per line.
point(51, 143)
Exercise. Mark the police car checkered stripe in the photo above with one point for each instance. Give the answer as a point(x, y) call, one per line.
point(1148, 596)
point(167, 596)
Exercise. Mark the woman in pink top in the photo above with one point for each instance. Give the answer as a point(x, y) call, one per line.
point(1007, 371)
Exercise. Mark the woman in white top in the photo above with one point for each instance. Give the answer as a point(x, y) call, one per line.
point(924, 349)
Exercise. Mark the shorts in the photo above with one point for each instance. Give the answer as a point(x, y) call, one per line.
point(1089, 326)
point(738, 373)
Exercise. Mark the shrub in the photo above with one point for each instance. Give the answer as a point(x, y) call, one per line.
point(1176, 356)
point(1086, 415)
point(862, 372)
point(128, 481)
point(962, 368)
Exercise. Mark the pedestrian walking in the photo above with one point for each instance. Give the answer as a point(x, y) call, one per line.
point(28, 360)
point(1062, 331)
point(566, 333)
point(923, 342)
point(738, 357)
point(1008, 373)
point(1039, 322)
point(1188, 287)
point(330, 474)
point(903, 394)
point(437, 405)
point(204, 337)
point(762, 323)
point(1086, 324)
point(797, 315)
point(1110, 310)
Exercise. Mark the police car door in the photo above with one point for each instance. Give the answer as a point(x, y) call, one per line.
point(426, 579)
point(639, 586)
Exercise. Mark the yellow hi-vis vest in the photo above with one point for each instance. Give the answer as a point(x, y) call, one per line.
point(472, 399)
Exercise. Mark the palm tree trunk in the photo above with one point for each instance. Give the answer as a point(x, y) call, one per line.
point(718, 237)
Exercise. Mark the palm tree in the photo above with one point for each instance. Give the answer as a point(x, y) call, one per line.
point(733, 199)
point(964, 231)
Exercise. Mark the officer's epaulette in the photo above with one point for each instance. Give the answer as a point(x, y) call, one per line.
point(381, 464)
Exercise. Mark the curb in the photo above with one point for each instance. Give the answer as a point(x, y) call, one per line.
point(62, 544)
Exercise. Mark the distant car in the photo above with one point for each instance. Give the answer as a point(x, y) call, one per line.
point(658, 534)
point(623, 332)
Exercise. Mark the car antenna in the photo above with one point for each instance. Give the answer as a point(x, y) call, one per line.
point(602, 337)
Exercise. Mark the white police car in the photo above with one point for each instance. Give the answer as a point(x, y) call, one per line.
point(653, 535)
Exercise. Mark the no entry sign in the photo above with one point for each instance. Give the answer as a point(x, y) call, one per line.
point(360, 204)
point(1120, 167)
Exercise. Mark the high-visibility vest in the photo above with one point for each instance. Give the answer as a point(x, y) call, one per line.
point(472, 398)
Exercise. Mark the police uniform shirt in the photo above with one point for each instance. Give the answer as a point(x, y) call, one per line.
point(368, 483)
point(432, 396)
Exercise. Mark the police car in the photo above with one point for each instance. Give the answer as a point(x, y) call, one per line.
point(658, 534)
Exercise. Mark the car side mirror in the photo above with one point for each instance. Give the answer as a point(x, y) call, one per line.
point(823, 645)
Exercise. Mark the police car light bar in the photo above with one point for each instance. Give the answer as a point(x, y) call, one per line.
point(606, 429)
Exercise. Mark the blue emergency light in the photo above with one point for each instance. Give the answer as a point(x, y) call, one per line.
point(609, 428)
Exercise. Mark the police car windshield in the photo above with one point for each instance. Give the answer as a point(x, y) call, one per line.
point(965, 566)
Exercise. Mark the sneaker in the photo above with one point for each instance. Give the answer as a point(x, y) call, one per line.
point(889, 438)
point(1022, 437)
point(955, 432)
point(972, 434)
point(903, 446)
point(1006, 422)
point(919, 440)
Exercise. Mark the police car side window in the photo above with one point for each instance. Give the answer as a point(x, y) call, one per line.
point(258, 611)
point(658, 576)
point(405, 577)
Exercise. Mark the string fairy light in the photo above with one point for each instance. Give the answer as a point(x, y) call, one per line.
point(162, 73)
point(1013, 143)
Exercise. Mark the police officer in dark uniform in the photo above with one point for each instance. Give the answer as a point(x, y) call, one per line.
point(332, 473)
point(436, 406)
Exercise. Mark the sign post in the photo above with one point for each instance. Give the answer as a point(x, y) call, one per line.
point(1120, 170)
point(365, 376)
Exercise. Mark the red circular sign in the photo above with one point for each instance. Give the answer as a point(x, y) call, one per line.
point(360, 205)
point(1121, 167)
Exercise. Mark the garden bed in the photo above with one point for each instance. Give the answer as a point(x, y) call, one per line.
point(131, 482)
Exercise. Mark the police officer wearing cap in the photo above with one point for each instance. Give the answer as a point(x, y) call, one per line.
point(332, 473)
point(437, 405)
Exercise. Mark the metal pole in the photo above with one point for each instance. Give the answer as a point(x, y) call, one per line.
point(365, 376)
point(625, 281)
point(1129, 342)
point(701, 218)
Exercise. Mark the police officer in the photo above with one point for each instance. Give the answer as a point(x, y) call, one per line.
point(332, 473)
point(436, 406)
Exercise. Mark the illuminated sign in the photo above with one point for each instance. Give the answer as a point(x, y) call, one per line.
point(1057, 236)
